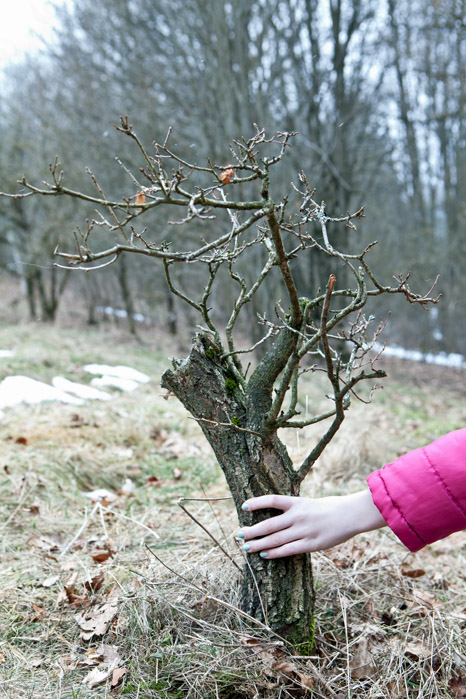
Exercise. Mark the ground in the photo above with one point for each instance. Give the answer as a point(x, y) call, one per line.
point(132, 593)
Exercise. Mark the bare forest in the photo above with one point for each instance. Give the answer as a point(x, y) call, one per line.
point(375, 91)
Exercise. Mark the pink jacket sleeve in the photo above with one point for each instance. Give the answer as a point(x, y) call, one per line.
point(422, 495)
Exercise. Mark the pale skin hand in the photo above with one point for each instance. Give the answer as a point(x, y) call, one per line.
point(308, 524)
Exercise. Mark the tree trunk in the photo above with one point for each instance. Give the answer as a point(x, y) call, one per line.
point(280, 592)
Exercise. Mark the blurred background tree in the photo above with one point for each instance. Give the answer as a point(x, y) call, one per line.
point(375, 90)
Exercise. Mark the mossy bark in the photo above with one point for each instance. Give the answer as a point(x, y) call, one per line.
point(278, 592)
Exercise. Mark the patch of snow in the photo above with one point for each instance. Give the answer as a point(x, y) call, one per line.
point(100, 494)
point(122, 384)
point(79, 389)
point(120, 313)
point(6, 353)
point(22, 389)
point(452, 359)
point(120, 372)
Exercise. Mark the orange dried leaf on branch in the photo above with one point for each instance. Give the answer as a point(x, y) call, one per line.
point(140, 198)
point(227, 175)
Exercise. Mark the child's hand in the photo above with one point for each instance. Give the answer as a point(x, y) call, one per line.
point(308, 524)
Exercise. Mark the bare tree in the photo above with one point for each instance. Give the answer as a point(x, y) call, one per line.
point(240, 410)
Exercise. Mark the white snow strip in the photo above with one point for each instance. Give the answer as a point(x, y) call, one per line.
point(120, 313)
point(122, 384)
point(79, 389)
point(454, 360)
point(121, 372)
point(22, 389)
point(6, 353)
point(100, 494)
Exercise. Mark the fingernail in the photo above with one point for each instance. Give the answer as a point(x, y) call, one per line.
point(246, 547)
point(241, 535)
point(244, 506)
point(264, 554)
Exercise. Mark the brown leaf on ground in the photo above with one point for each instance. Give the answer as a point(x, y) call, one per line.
point(154, 481)
point(458, 687)
point(96, 620)
point(425, 599)
point(418, 650)
point(40, 612)
point(21, 440)
point(95, 583)
point(100, 555)
point(74, 599)
point(117, 675)
point(362, 662)
point(111, 546)
point(44, 544)
point(104, 653)
point(409, 572)
point(34, 509)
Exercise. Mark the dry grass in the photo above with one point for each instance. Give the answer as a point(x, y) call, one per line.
point(380, 632)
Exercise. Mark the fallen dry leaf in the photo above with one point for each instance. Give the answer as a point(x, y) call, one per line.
point(105, 653)
point(44, 544)
point(458, 687)
point(74, 599)
point(117, 675)
point(100, 555)
point(154, 480)
point(96, 676)
point(418, 650)
point(109, 654)
point(21, 440)
point(95, 583)
point(409, 572)
point(34, 509)
point(424, 598)
point(96, 620)
point(362, 661)
point(40, 612)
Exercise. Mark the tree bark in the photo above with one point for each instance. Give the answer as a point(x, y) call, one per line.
point(279, 593)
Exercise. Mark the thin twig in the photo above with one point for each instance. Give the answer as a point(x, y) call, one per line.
point(217, 543)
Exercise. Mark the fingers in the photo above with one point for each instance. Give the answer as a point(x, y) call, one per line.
point(291, 548)
point(270, 538)
point(277, 502)
point(268, 526)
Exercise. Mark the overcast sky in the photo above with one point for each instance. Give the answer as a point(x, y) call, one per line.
point(20, 22)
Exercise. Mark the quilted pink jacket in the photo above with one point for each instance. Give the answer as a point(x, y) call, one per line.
point(422, 495)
